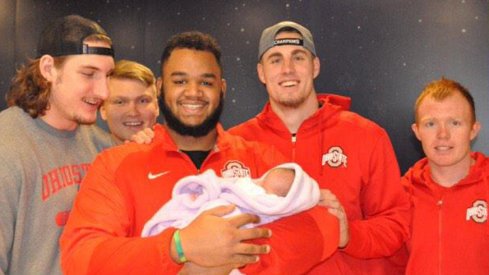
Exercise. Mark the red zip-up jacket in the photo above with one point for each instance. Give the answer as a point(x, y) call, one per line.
point(126, 185)
point(450, 231)
point(353, 157)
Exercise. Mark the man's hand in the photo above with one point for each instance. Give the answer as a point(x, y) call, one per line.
point(144, 136)
point(211, 240)
point(330, 201)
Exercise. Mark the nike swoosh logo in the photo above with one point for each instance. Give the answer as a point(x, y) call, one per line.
point(152, 176)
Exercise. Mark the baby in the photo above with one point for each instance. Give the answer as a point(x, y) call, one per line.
point(277, 181)
point(284, 190)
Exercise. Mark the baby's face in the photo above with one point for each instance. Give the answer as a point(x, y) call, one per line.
point(278, 181)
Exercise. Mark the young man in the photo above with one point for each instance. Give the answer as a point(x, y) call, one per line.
point(450, 187)
point(126, 185)
point(349, 156)
point(133, 101)
point(47, 143)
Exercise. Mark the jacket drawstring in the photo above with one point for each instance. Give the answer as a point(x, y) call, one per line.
point(321, 144)
point(321, 140)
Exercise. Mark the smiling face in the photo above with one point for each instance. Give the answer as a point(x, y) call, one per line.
point(192, 90)
point(288, 71)
point(446, 128)
point(78, 87)
point(131, 107)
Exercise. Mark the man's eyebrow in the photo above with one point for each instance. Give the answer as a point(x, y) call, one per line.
point(302, 50)
point(91, 67)
point(276, 54)
point(209, 75)
point(178, 74)
point(94, 68)
point(119, 97)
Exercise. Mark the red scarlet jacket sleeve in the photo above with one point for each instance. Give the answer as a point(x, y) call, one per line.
point(94, 241)
point(386, 207)
point(298, 243)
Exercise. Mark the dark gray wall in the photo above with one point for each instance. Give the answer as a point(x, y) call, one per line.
point(381, 53)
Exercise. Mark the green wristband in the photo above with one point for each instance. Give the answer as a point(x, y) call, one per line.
point(178, 246)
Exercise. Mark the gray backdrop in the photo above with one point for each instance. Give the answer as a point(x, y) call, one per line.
point(379, 52)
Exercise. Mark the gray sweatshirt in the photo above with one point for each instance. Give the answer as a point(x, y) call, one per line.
point(40, 172)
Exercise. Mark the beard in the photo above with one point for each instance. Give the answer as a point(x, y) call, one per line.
point(84, 121)
point(292, 103)
point(187, 130)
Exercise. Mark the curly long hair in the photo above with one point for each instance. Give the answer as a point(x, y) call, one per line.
point(29, 90)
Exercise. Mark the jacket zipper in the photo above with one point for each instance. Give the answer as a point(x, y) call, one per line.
point(293, 140)
point(192, 164)
point(440, 232)
point(212, 152)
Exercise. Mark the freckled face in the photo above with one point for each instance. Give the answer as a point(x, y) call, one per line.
point(445, 129)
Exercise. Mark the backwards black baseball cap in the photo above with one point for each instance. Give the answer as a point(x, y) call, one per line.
point(268, 40)
point(65, 36)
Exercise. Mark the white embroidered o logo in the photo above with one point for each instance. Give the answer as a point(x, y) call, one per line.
point(235, 169)
point(478, 211)
point(334, 157)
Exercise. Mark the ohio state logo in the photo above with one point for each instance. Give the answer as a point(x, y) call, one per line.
point(478, 211)
point(334, 157)
point(235, 169)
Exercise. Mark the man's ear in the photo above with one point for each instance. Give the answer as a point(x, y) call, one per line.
point(47, 68)
point(475, 130)
point(159, 82)
point(224, 87)
point(317, 66)
point(261, 75)
point(414, 127)
point(103, 112)
point(157, 105)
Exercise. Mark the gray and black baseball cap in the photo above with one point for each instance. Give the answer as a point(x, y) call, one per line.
point(268, 40)
point(65, 35)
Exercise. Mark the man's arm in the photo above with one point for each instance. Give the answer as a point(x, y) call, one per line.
point(8, 205)
point(298, 243)
point(96, 237)
point(385, 207)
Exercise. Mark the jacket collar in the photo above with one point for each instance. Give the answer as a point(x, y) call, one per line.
point(330, 105)
point(164, 140)
point(421, 173)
